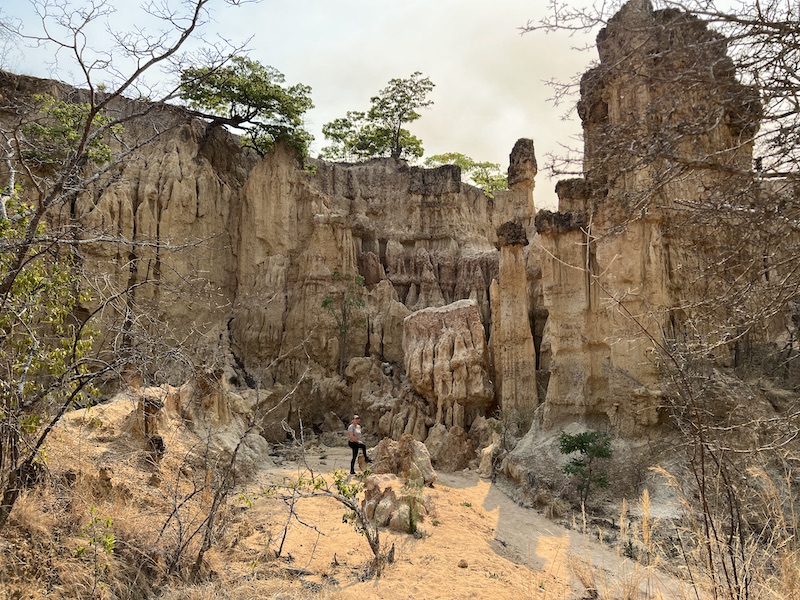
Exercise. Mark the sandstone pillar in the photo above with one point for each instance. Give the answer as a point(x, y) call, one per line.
point(566, 291)
point(512, 340)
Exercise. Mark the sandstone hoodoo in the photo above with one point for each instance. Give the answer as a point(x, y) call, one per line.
point(464, 296)
point(256, 300)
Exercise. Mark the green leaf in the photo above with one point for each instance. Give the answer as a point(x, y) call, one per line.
point(381, 130)
point(251, 97)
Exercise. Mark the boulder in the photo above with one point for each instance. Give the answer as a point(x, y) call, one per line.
point(399, 505)
point(450, 449)
point(407, 458)
point(483, 431)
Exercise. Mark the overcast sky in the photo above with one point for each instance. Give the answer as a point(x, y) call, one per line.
point(489, 79)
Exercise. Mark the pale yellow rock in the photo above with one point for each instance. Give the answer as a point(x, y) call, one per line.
point(513, 352)
point(446, 360)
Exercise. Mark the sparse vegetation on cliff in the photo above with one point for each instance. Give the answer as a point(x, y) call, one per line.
point(344, 306)
point(381, 130)
point(485, 175)
point(246, 95)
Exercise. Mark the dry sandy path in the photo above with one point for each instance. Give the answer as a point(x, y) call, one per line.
point(478, 544)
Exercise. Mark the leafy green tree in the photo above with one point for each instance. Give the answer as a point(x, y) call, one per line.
point(43, 350)
point(590, 445)
point(381, 130)
point(344, 306)
point(251, 97)
point(53, 134)
point(485, 175)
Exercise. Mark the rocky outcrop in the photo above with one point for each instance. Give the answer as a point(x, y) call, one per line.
point(389, 502)
point(613, 258)
point(385, 400)
point(513, 353)
point(522, 166)
point(219, 417)
point(328, 289)
point(446, 361)
point(417, 237)
point(406, 458)
point(450, 449)
point(167, 215)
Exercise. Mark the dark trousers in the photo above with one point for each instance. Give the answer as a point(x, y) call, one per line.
point(355, 446)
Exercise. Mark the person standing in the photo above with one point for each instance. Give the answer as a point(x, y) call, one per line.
point(355, 440)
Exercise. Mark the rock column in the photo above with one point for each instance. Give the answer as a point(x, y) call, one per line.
point(512, 340)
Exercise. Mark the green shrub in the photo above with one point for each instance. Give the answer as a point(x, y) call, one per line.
point(591, 445)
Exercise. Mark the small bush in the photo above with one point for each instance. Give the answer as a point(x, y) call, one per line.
point(591, 445)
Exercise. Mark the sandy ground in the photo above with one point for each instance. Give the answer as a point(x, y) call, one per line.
point(477, 544)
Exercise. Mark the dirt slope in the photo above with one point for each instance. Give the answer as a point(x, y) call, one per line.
point(477, 543)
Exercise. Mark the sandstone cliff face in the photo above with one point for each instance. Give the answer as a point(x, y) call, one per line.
point(447, 359)
point(418, 237)
point(158, 224)
point(235, 257)
point(169, 213)
point(619, 268)
point(231, 258)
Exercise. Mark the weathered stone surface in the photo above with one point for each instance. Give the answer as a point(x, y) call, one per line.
point(488, 457)
point(482, 431)
point(612, 255)
point(548, 222)
point(451, 449)
point(385, 325)
point(260, 240)
point(522, 166)
point(573, 196)
point(333, 423)
point(382, 396)
point(513, 352)
point(511, 233)
point(173, 214)
point(446, 361)
point(218, 416)
point(395, 504)
point(407, 458)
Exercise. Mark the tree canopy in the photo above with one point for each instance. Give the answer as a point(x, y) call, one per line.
point(485, 175)
point(381, 130)
point(252, 97)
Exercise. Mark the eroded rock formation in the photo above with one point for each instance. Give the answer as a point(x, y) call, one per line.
point(513, 353)
point(616, 264)
point(447, 360)
point(244, 261)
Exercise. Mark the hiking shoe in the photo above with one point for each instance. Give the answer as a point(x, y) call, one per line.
point(369, 460)
point(352, 472)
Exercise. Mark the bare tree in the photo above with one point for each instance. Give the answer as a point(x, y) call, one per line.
point(60, 143)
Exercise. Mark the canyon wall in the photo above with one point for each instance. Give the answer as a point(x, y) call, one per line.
point(628, 258)
point(299, 277)
point(412, 298)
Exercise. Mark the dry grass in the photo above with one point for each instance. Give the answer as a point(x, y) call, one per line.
point(274, 589)
point(152, 520)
